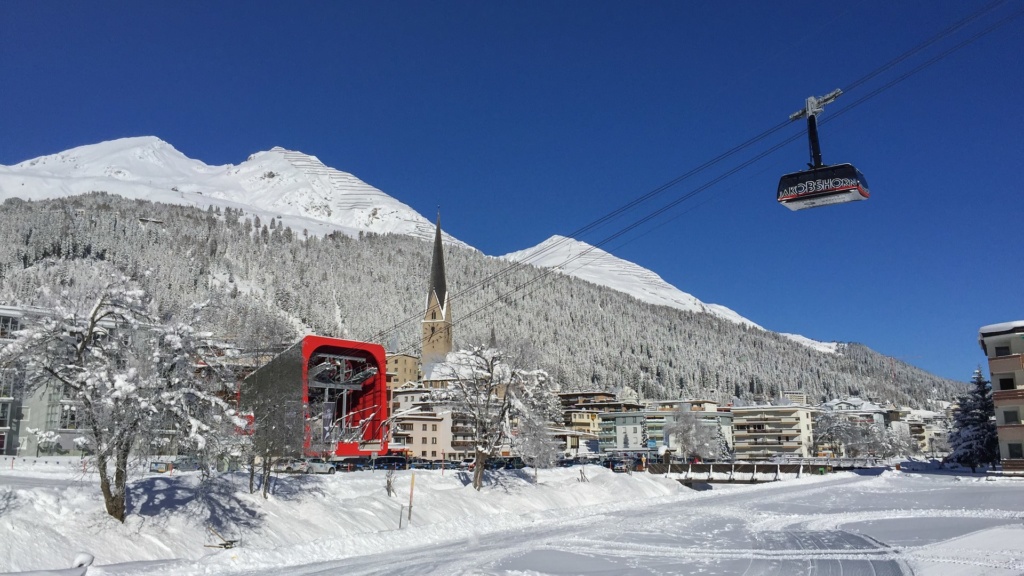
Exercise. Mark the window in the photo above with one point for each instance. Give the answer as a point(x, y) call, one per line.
point(68, 417)
point(7, 383)
point(1015, 451)
point(433, 440)
point(1011, 417)
point(424, 427)
point(423, 453)
point(5, 415)
point(433, 452)
point(424, 440)
point(433, 427)
point(8, 326)
point(1002, 350)
point(3, 442)
point(1006, 384)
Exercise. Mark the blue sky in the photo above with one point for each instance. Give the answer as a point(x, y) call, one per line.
point(521, 120)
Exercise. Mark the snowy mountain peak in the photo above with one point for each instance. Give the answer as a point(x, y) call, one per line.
point(123, 159)
point(297, 188)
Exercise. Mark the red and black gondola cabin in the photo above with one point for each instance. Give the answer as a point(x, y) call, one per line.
point(822, 186)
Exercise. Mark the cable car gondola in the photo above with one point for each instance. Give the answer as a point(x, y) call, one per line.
point(821, 185)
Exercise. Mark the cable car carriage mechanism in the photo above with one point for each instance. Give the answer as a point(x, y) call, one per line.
point(821, 185)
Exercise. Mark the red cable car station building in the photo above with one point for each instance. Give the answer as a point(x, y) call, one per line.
point(321, 397)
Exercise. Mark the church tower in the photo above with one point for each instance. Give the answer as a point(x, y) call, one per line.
point(437, 322)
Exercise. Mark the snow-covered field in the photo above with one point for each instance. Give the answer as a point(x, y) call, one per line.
point(921, 522)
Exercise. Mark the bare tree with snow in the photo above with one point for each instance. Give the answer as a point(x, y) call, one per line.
point(492, 393)
point(131, 379)
point(689, 436)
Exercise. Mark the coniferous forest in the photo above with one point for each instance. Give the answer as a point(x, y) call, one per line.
point(374, 288)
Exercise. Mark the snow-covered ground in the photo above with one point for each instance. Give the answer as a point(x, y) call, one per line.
point(919, 522)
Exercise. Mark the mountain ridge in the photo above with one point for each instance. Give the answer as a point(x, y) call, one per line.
point(289, 185)
point(305, 194)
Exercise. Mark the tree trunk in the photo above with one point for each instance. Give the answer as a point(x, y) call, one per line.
point(114, 493)
point(108, 495)
point(252, 474)
point(265, 474)
point(479, 468)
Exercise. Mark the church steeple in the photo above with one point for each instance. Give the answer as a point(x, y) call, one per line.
point(437, 321)
point(438, 286)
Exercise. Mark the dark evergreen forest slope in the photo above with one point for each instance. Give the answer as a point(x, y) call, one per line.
point(373, 288)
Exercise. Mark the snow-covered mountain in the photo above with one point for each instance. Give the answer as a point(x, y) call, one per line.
point(594, 265)
point(292, 186)
point(307, 195)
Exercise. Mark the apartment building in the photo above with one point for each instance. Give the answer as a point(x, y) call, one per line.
point(418, 429)
point(1003, 344)
point(641, 427)
point(581, 410)
point(402, 369)
point(43, 419)
point(763, 432)
point(12, 413)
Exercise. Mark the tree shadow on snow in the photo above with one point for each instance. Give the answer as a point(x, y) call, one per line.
point(507, 480)
point(6, 502)
point(218, 502)
point(939, 468)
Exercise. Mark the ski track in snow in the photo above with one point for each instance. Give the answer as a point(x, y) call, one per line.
point(707, 534)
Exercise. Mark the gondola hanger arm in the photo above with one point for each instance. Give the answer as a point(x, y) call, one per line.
point(815, 106)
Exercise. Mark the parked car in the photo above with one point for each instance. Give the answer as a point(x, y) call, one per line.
point(466, 464)
point(565, 463)
point(319, 466)
point(423, 464)
point(620, 466)
point(390, 463)
point(351, 463)
point(185, 463)
point(290, 465)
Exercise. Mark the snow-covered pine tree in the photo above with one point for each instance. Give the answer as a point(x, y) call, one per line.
point(973, 440)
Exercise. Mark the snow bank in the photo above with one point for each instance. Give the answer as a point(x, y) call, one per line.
point(50, 509)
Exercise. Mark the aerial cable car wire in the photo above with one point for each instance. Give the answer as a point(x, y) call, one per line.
point(942, 34)
point(774, 148)
point(824, 185)
point(747, 163)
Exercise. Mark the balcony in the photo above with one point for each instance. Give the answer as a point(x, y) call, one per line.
point(1006, 364)
point(765, 442)
point(775, 420)
point(766, 432)
point(1004, 397)
point(1015, 466)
